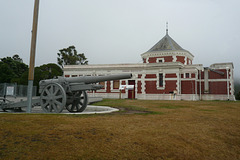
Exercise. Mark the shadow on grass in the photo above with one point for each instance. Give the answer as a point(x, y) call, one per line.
point(172, 107)
point(126, 106)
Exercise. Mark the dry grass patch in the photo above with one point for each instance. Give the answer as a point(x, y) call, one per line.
point(183, 130)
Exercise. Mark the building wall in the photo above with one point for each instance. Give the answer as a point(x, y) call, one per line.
point(188, 87)
point(163, 59)
point(179, 82)
point(218, 87)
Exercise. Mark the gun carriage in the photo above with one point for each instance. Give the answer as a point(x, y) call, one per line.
point(56, 94)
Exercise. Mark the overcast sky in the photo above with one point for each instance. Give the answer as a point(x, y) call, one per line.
point(119, 31)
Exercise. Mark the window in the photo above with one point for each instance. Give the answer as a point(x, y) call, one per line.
point(102, 83)
point(187, 75)
point(160, 60)
point(116, 84)
point(160, 80)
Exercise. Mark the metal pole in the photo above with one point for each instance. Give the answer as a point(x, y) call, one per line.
point(32, 56)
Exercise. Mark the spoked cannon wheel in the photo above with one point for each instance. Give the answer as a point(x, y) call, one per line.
point(79, 102)
point(53, 98)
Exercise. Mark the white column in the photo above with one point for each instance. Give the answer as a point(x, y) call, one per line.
point(143, 84)
point(180, 87)
point(200, 86)
point(227, 82)
point(196, 76)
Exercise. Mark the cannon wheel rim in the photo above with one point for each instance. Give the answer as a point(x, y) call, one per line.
point(53, 98)
point(79, 103)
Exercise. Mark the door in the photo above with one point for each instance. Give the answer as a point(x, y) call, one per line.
point(131, 93)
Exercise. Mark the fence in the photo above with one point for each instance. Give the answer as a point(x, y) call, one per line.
point(12, 89)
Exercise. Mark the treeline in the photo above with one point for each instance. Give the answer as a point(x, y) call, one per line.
point(13, 70)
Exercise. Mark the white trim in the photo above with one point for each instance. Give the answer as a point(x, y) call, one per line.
point(185, 60)
point(167, 53)
point(143, 84)
point(189, 62)
point(214, 80)
point(227, 68)
point(180, 83)
point(177, 83)
point(174, 58)
point(147, 60)
point(196, 76)
point(189, 79)
point(157, 81)
point(104, 89)
point(136, 86)
point(111, 86)
point(231, 81)
point(166, 79)
point(157, 60)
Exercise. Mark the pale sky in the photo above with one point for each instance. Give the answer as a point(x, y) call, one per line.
point(119, 31)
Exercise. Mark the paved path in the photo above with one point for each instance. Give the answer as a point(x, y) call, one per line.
point(89, 110)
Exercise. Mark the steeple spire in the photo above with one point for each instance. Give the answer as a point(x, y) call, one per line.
point(167, 28)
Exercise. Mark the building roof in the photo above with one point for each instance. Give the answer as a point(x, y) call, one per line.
point(167, 47)
point(166, 44)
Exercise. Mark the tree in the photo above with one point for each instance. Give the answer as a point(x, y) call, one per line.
point(11, 69)
point(17, 58)
point(46, 71)
point(6, 73)
point(69, 56)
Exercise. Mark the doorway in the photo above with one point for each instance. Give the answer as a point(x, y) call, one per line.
point(131, 93)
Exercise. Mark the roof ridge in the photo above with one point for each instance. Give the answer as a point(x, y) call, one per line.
point(169, 40)
point(166, 43)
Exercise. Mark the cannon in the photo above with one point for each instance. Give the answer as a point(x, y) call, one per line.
point(56, 94)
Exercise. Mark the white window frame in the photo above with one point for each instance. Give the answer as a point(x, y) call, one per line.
point(164, 83)
point(112, 89)
point(162, 59)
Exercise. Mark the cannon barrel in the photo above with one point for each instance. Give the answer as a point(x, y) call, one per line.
point(87, 79)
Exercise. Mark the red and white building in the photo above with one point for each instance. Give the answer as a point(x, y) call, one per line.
point(167, 73)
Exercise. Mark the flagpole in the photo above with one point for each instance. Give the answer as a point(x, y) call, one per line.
point(32, 56)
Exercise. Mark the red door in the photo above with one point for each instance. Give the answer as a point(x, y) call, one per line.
point(131, 93)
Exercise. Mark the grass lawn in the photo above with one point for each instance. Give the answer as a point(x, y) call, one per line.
point(141, 130)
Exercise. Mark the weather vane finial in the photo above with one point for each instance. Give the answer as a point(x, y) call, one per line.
point(167, 27)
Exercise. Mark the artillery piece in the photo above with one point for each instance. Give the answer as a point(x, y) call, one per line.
point(55, 94)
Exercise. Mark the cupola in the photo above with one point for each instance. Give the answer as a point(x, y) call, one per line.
point(167, 50)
